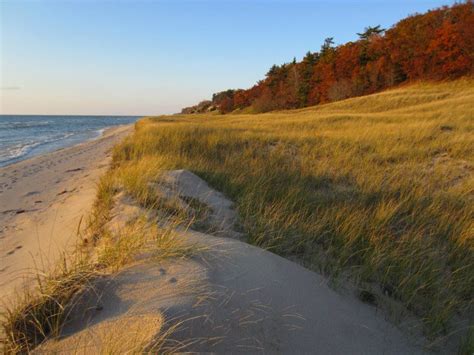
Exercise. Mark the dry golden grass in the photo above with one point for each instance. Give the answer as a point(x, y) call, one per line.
point(378, 188)
point(39, 313)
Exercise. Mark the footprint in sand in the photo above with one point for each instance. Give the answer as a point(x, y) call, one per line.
point(73, 170)
point(14, 250)
point(66, 191)
point(17, 211)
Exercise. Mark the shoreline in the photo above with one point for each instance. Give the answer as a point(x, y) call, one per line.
point(100, 133)
point(43, 200)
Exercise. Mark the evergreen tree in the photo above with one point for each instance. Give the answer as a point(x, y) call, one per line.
point(371, 31)
point(327, 45)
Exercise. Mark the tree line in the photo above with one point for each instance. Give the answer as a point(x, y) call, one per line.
point(436, 45)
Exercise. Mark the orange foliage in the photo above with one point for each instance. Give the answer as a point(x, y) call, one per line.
point(437, 45)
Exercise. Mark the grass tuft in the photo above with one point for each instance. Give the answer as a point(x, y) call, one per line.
point(41, 313)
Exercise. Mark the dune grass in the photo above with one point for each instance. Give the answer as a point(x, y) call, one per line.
point(377, 189)
point(39, 313)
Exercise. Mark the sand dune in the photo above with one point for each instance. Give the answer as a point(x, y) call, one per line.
point(229, 297)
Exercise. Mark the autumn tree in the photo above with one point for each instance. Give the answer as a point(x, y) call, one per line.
point(436, 45)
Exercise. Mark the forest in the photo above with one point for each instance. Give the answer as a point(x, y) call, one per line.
point(437, 45)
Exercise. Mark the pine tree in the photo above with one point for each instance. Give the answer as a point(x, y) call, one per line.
point(371, 31)
point(327, 45)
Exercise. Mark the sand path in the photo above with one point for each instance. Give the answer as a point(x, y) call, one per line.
point(42, 201)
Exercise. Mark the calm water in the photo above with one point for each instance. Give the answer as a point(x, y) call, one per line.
point(22, 137)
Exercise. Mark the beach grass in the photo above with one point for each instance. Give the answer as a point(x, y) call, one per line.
point(39, 313)
point(376, 190)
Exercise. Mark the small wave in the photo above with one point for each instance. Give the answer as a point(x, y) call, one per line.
point(16, 151)
point(27, 124)
point(100, 132)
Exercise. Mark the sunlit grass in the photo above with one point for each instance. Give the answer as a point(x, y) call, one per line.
point(377, 187)
point(40, 312)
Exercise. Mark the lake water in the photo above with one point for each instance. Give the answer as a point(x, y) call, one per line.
point(22, 136)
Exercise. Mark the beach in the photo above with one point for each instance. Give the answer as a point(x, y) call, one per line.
point(44, 201)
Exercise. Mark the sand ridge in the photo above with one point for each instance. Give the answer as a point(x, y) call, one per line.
point(230, 297)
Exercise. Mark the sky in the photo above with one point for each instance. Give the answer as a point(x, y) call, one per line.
point(144, 57)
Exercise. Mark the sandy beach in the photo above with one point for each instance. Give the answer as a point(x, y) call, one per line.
point(42, 203)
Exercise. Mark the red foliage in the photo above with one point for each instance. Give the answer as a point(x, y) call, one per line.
point(437, 45)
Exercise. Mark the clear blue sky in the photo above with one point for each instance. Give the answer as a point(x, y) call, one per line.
point(152, 57)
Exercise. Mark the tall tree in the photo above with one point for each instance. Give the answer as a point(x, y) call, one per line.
point(370, 31)
point(327, 46)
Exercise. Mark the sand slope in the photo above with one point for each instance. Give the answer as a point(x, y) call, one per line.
point(42, 201)
point(231, 297)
